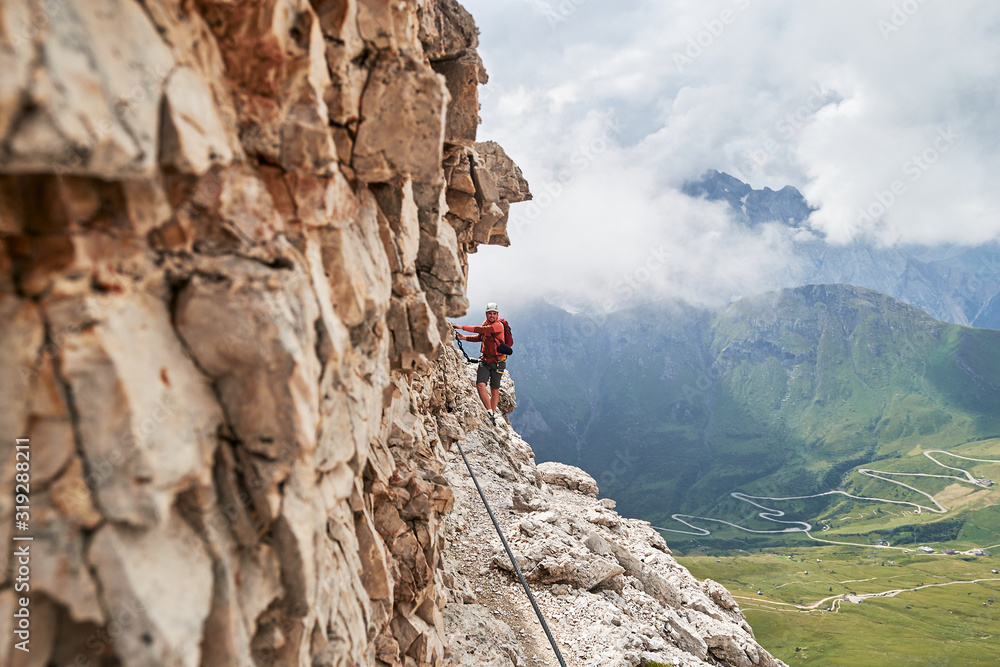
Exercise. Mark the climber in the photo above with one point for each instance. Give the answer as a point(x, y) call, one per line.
point(492, 362)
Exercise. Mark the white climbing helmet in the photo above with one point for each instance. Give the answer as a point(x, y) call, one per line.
point(491, 306)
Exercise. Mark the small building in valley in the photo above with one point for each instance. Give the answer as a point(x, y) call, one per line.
point(926, 550)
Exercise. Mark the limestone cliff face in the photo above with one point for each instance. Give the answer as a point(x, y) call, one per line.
point(230, 232)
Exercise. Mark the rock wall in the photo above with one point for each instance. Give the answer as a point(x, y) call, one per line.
point(230, 233)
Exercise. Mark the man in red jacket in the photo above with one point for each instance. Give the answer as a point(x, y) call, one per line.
point(493, 363)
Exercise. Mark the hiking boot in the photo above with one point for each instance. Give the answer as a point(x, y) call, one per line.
point(492, 418)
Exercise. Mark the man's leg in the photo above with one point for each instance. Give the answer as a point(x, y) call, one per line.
point(483, 395)
point(496, 376)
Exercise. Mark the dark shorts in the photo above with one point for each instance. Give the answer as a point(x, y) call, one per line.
point(492, 372)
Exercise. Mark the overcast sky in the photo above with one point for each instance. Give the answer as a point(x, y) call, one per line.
point(886, 107)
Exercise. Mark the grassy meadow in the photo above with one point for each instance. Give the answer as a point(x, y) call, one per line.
point(953, 624)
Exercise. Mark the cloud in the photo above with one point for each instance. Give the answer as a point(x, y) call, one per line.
point(602, 231)
point(882, 113)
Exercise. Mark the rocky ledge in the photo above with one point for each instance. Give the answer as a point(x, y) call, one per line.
point(611, 591)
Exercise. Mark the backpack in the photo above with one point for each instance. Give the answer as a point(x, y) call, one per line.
point(506, 345)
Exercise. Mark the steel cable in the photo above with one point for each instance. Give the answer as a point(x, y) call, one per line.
point(513, 561)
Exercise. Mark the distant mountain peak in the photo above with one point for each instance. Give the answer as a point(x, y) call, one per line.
point(749, 206)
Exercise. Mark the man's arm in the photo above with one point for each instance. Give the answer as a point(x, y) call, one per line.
point(471, 339)
point(479, 331)
point(489, 329)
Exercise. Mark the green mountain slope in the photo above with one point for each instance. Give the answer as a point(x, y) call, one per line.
point(783, 394)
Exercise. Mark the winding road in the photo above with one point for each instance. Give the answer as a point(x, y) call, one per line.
point(774, 515)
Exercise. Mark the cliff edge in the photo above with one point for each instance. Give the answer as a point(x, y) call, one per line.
point(608, 586)
point(229, 234)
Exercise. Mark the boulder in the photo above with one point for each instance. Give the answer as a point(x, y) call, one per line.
point(567, 476)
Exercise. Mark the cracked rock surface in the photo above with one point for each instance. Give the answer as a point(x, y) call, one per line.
point(230, 235)
point(610, 589)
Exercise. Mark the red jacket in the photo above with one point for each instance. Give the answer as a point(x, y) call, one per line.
point(489, 335)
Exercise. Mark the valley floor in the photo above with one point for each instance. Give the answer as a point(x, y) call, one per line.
point(833, 605)
point(859, 584)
